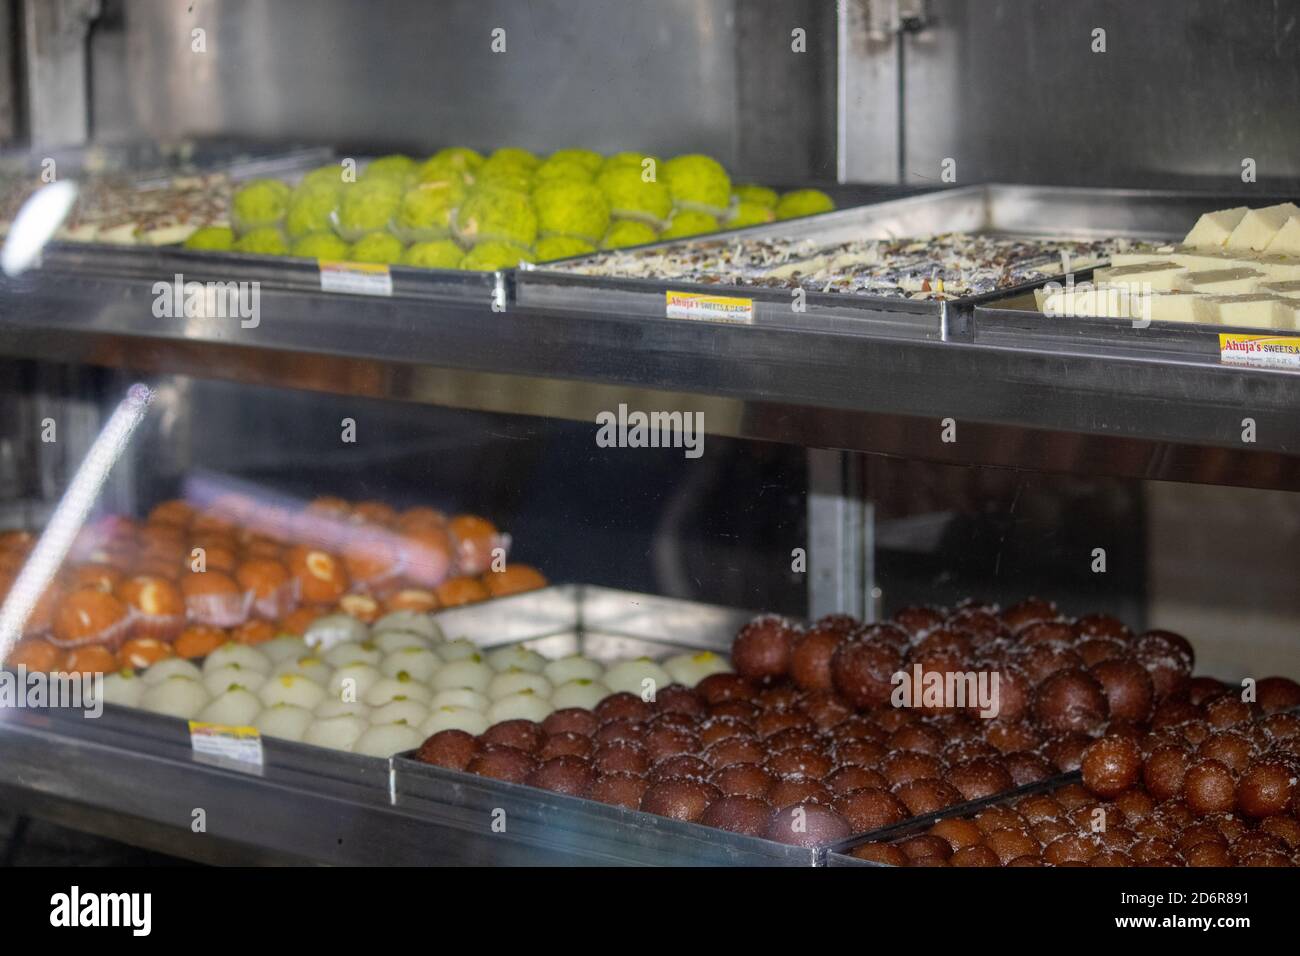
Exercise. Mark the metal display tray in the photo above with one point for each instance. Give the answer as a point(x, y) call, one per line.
point(1029, 211)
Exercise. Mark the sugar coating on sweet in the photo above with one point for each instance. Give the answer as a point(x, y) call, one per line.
point(232, 675)
point(470, 673)
point(170, 667)
point(411, 712)
point(176, 697)
point(512, 682)
point(353, 652)
point(386, 740)
point(1213, 228)
point(393, 688)
point(337, 733)
point(631, 676)
point(241, 654)
point(235, 708)
point(418, 663)
point(455, 718)
point(515, 657)
point(286, 721)
point(574, 667)
point(521, 706)
point(291, 689)
point(1258, 227)
point(582, 692)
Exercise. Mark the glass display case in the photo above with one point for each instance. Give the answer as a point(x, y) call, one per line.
point(648, 552)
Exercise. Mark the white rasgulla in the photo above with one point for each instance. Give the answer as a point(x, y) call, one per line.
point(176, 697)
point(234, 708)
point(394, 688)
point(515, 657)
point(386, 740)
point(463, 673)
point(628, 676)
point(522, 706)
point(419, 663)
point(352, 681)
point(291, 689)
point(390, 641)
point(123, 688)
point(458, 650)
point(450, 717)
point(312, 668)
point(232, 675)
point(461, 697)
point(332, 629)
point(170, 667)
point(285, 647)
point(351, 652)
point(417, 622)
point(574, 667)
point(337, 733)
point(512, 682)
point(579, 693)
point(690, 669)
point(241, 654)
point(411, 712)
point(286, 721)
point(334, 707)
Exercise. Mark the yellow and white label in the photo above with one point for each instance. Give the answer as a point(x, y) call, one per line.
point(709, 308)
point(241, 744)
point(355, 278)
point(1259, 351)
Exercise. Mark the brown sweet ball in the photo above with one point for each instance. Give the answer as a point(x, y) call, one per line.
point(870, 809)
point(522, 734)
point(1286, 829)
point(1201, 689)
point(1197, 833)
point(984, 627)
point(1102, 627)
point(885, 854)
point(891, 635)
point(565, 744)
point(959, 833)
point(739, 814)
point(723, 688)
point(904, 766)
point(1026, 768)
point(927, 796)
point(1232, 749)
point(895, 718)
point(502, 762)
point(1070, 700)
point(1111, 858)
point(787, 791)
point(734, 750)
point(960, 751)
point(1275, 694)
point(824, 709)
point(792, 738)
point(571, 720)
point(1266, 788)
point(772, 722)
point(676, 721)
point(849, 778)
point(1073, 796)
point(679, 799)
point(1011, 842)
point(683, 765)
point(1015, 690)
point(1065, 751)
point(1136, 804)
point(713, 729)
point(1027, 860)
point(1207, 854)
point(1111, 765)
point(842, 624)
point(860, 753)
point(1038, 807)
point(779, 696)
point(1041, 661)
point(1130, 693)
point(619, 789)
point(620, 731)
point(1006, 736)
point(736, 709)
point(1029, 611)
point(917, 738)
point(1281, 726)
point(677, 699)
point(810, 661)
point(974, 856)
point(1097, 650)
point(943, 641)
point(807, 824)
point(1060, 633)
point(1209, 787)
point(857, 728)
point(803, 762)
point(1151, 850)
point(620, 757)
point(622, 706)
point(862, 672)
point(1228, 710)
point(992, 819)
point(453, 749)
point(567, 774)
point(980, 778)
point(925, 847)
point(743, 779)
point(1048, 830)
point(762, 649)
point(661, 742)
point(1265, 859)
point(1072, 848)
point(917, 620)
point(1169, 660)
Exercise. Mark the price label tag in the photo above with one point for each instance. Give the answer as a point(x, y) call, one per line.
point(709, 308)
point(1259, 351)
point(225, 744)
point(355, 278)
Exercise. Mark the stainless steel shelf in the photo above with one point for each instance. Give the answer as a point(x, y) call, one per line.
point(1127, 415)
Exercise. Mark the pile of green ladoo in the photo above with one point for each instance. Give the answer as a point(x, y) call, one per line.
point(461, 210)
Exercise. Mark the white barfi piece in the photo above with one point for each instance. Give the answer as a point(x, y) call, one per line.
point(1290, 310)
point(1220, 281)
point(1143, 276)
point(1287, 240)
point(1131, 257)
point(1213, 229)
point(1249, 311)
point(1285, 290)
point(1199, 260)
point(1174, 307)
point(1276, 268)
point(1114, 302)
point(1258, 227)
